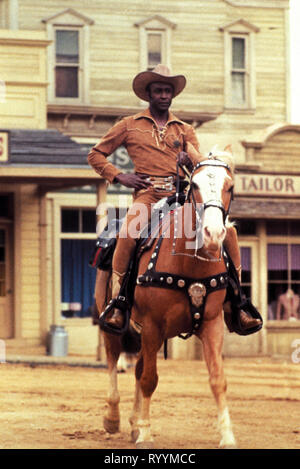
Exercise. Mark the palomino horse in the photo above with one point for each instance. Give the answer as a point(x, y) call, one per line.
point(179, 291)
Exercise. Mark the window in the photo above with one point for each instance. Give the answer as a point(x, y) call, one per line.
point(283, 270)
point(78, 238)
point(67, 62)
point(155, 42)
point(239, 60)
point(239, 72)
point(68, 57)
point(78, 221)
point(246, 270)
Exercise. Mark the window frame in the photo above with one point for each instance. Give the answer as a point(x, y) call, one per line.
point(155, 25)
point(70, 20)
point(79, 64)
point(163, 50)
point(244, 30)
point(287, 241)
point(244, 71)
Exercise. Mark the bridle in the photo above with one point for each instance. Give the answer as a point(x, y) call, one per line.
point(211, 203)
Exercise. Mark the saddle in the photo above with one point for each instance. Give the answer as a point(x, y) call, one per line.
point(197, 290)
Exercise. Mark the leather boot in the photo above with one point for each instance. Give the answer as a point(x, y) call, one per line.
point(248, 322)
point(117, 319)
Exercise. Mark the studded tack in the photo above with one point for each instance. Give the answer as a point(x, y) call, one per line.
point(169, 280)
point(213, 282)
point(153, 255)
point(150, 265)
point(181, 283)
point(197, 315)
point(222, 279)
point(161, 279)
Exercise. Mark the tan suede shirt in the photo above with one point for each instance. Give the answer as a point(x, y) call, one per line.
point(152, 151)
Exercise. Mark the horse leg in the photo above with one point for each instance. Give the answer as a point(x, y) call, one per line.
point(137, 402)
point(148, 379)
point(212, 339)
point(111, 421)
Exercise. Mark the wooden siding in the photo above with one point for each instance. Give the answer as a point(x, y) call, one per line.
point(28, 226)
point(281, 153)
point(197, 51)
point(23, 70)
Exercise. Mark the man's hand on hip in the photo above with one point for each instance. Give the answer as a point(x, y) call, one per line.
point(134, 181)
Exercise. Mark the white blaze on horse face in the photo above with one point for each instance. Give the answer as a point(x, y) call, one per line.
point(210, 182)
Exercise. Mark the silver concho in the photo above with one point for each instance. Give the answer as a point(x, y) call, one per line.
point(213, 282)
point(197, 291)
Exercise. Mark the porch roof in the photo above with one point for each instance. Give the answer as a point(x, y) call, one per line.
point(47, 158)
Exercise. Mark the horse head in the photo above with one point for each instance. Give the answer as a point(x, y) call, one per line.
point(212, 185)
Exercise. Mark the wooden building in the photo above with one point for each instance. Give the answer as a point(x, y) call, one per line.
point(66, 73)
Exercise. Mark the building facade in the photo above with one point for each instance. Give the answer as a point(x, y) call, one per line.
point(68, 68)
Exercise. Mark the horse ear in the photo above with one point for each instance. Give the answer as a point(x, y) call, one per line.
point(228, 148)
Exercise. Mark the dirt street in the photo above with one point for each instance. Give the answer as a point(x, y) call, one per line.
point(62, 407)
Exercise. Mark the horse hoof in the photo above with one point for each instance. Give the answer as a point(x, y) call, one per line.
point(111, 426)
point(229, 447)
point(144, 445)
point(134, 435)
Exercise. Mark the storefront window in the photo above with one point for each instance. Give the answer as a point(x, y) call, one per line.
point(283, 280)
point(77, 246)
point(246, 270)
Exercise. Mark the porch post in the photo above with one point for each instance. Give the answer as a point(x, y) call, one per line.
point(101, 190)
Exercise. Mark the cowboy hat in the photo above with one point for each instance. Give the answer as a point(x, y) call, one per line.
point(160, 73)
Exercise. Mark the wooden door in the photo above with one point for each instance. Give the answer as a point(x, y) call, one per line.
point(6, 293)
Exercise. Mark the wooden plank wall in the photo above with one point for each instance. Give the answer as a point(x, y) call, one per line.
point(28, 226)
point(197, 50)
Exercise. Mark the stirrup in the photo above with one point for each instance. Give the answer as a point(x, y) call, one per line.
point(121, 303)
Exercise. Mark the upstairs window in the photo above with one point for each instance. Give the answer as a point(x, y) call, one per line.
point(155, 42)
point(68, 57)
point(239, 72)
point(67, 62)
point(239, 60)
point(155, 49)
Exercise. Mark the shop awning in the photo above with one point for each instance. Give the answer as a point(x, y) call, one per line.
point(48, 158)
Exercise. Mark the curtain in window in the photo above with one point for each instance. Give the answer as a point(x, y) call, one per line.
point(277, 257)
point(246, 259)
point(295, 256)
point(78, 278)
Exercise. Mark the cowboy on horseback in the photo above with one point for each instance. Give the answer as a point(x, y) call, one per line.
point(156, 140)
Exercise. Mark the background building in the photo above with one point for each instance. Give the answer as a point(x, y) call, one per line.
point(66, 73)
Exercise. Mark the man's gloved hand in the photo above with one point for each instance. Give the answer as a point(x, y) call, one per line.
point(184, 160)
point(134, 181)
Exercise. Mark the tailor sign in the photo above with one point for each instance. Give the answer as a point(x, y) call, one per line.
point(3, 146)
point(267, 185)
